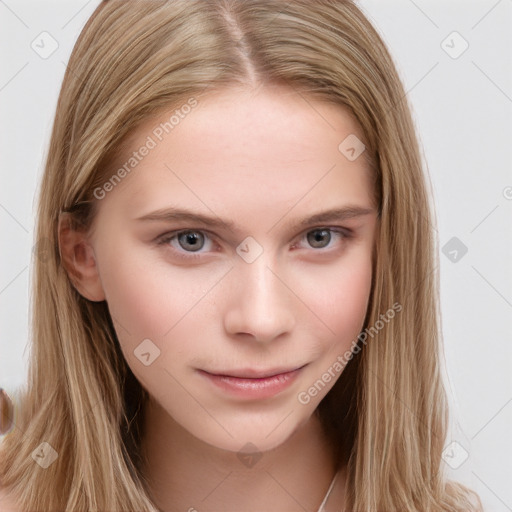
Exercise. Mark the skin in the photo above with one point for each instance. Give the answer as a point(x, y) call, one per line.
point(264, 159)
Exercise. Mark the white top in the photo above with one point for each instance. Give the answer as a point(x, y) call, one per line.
point(326, 497)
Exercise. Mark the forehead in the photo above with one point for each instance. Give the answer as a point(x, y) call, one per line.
point(247, 149)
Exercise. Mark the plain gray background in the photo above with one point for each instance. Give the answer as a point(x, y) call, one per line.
point(455, 60)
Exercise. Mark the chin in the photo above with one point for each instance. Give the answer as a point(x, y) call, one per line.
point(252, 436)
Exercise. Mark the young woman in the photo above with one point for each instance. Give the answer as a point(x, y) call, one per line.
point(239, 309)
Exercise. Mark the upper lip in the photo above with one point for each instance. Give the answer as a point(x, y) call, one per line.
point(251, 373)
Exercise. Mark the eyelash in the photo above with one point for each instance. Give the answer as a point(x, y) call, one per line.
point(164, 239)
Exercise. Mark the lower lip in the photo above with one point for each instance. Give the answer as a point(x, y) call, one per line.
point(253, 388)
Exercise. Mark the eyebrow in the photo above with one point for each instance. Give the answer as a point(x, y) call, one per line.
point(173, 214)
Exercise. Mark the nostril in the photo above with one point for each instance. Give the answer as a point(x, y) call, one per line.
point(258, 307)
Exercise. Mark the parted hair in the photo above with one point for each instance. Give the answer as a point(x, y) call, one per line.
point(387, 415)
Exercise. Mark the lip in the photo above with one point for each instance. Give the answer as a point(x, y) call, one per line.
point(253, 384)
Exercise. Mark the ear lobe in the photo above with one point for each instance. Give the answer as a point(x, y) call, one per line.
point(78, 259)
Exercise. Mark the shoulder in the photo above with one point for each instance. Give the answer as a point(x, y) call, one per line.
point(7, 504)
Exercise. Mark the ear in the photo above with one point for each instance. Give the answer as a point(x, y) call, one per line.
point(78, 259)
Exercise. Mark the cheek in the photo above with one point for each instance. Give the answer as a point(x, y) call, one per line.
point(148, 299)
point(339, 298)
point(145, 295)
point(342, 308)
point(133, 299)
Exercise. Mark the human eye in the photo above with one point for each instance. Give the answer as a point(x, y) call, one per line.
point(325, 238)
point(187, 243)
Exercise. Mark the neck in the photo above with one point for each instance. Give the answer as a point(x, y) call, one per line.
point(186, 474)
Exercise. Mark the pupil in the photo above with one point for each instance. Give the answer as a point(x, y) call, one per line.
point(319, 238)
point(191, 240)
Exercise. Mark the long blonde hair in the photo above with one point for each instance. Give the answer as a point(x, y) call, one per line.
point(387, 414)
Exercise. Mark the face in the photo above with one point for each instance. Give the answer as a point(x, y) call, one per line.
point(236, 260)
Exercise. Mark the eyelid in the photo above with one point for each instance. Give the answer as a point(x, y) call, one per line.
point(170, 234)
point(336, 229)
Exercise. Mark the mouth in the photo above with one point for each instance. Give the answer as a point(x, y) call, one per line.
point(253, 384)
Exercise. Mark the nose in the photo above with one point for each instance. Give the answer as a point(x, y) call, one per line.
point(260, 305)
